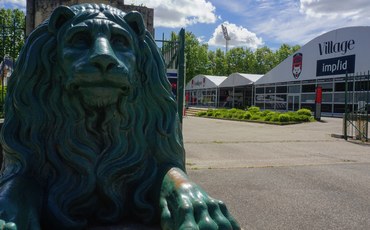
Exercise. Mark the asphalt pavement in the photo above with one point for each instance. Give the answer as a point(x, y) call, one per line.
point(281, 177)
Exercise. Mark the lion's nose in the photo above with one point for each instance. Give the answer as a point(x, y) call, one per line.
point(103, 56)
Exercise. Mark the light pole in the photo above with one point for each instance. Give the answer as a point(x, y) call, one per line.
point(226, 36)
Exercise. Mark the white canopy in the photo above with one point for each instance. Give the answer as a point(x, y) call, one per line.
point(204, 82)
point(239, 79)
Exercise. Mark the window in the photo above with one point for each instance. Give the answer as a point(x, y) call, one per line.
point(308, 98)
point(308, 88)
point(281, 89)
point(260, 90)
point(341, 86)
point(270, 89)
point(327, 87)
point(294, 89)
point(327, 97)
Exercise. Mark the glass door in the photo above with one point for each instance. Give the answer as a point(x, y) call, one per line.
point(294, 102)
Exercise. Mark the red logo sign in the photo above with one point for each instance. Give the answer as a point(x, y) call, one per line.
point(297, 65)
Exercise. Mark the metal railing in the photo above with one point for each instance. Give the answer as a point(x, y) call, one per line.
point(357, 117)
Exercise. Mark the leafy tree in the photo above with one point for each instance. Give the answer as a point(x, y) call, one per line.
point(265, 60)
point(236, 60)
point(285, 51)
point(220, 65)
point(12, 36)
point(200, 60)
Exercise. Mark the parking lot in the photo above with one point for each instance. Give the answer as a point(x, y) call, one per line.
point(282, 177)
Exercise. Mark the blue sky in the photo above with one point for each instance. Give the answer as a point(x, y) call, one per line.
point(250, 23)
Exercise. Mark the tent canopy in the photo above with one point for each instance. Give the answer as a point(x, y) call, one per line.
point(239, 79)
point(204, 82)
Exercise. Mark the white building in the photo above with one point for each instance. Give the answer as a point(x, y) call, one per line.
point(324, 61)
point(203, 90)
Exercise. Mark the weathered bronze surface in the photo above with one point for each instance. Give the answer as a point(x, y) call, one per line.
point(91, 135)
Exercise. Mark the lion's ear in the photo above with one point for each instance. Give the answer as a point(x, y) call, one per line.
point(136, 22)
point(59, 16)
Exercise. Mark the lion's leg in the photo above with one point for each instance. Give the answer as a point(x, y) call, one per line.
point(20, 203)
point(184, 205)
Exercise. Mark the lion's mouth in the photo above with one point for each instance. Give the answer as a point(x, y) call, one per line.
point(104, 90)
point(100, 94)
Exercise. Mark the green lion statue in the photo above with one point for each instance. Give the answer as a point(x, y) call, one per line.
point(91, 135)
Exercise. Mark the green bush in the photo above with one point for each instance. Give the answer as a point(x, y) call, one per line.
point(265, 113)
point(304, 118)
point(201, 113)
point(253, 109)
point(247, 116)
point(210, 113)
point(284, 117)
point(228, 115)
point(306, 112)
point(233, 110)
point(255, 116)
point(218, 114)
point(254, 113)
point(270, 115)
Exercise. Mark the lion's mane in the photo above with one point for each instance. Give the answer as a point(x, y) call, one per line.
point(83, 156)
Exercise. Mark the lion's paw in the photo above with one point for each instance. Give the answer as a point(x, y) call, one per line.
point(185, 205)
point(7, 225)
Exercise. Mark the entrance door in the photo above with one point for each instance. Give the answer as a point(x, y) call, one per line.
point(293, 102)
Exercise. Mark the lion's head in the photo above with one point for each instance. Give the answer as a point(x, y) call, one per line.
point(90, 113)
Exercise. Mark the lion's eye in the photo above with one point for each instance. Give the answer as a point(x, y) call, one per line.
point(80, 40)
point(119, 41)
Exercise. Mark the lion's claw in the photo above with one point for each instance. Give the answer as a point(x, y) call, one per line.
point(7, 225)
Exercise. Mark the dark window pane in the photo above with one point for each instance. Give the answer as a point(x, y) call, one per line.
point(270, 89)
point(281, 89)
point(308, 88)
point(338, 108)
point(326, 108)
point(260, 90)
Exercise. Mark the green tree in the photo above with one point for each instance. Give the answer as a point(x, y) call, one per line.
point(285, 51)
point(236, 60)
point(12, 36)
point(220, 65)
point(265, 60)
point(196, 56)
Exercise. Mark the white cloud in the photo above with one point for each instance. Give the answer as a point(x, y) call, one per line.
point(335, 9)
point(239, 36)
point(16, 4)
point(179, 13)
point(299, 22)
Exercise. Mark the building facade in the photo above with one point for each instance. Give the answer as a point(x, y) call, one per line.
point(323, 62)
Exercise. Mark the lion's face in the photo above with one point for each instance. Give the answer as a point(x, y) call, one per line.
point(97, 57)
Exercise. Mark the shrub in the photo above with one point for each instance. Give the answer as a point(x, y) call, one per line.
point(304, 118)
point(255, 116)
point(217, 114)
point(273, 116)
point(240, 116)
point(228, 115)
point(247, 116)
point(306, 112)
point(253, 109)
point(233, 110)
point(210, 113)
point(201, 113)
point(265, 113)
point(283, 117)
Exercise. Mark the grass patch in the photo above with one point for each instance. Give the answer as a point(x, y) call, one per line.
point(254, 113)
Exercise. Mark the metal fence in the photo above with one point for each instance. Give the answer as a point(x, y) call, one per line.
point(357, 109)
point(173, 52)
